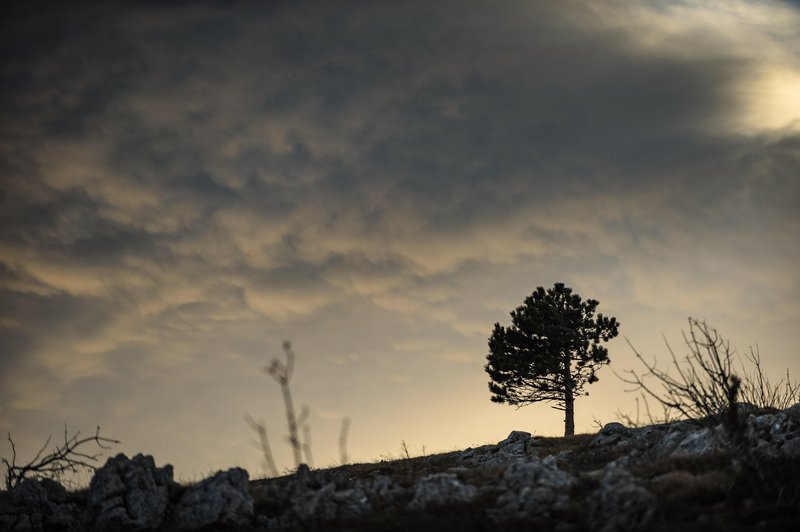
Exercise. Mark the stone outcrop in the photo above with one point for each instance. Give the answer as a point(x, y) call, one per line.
point(776, 433)
point(223, 499)
point(36, 506)
point(532, 490)
point(317, 496)
point(130, 494)
point(440, 489)
point(517, 447)
point(621, 503)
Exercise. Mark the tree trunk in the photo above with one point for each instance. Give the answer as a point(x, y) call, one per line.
point(569, 411)
point(569, 399)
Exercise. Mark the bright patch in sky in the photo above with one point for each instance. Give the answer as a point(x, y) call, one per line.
point(771, 101)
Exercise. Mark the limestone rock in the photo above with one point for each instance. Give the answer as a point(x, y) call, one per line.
point(130, 494)
point(610, 434)
point(700, 442)
point(318, 496)
point(792, 448)
point(37, 505)
point(385, 491)
point(440, 489)
point(516, 436)
point(531, 490)
point(621, 503)
point(517, 447)
point(223, 499)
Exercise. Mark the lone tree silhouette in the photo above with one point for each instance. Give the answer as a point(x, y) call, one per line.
point(550, 351)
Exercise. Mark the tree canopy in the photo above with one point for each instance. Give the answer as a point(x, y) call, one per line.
point(551, 350)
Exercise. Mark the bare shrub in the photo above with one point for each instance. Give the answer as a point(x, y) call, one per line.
point(67, 457)
point(282, 372)
point(710, 381)
point(757, 389)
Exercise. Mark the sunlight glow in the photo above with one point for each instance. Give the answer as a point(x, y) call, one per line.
point(772, 101)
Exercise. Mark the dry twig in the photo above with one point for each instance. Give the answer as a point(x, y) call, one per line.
point(64, 458)
point(706, 385)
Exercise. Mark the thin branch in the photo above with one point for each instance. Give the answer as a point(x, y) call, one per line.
point(706, 385)
point(62, 459)
point(266, 450)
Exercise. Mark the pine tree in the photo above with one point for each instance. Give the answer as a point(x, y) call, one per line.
point(551, 350)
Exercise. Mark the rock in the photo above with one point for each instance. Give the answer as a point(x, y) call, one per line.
point(516, 436)
point(762, 424)
point(610, 434)
point(223, 499)
point(37, 505)
point(516, 448)
point(318, 496)
point(532, 490)
point(614, 427)
point(130, 494)
point(621, 503)
point(385, 491)
point(791, 448)
point(328, 503)
point(439, 489)
point(700, 442)
point(664, 440)
point(743, 407)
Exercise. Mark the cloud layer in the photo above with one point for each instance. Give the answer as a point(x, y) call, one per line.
point(183, 188)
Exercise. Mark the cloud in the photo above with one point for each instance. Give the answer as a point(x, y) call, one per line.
point(183, 187)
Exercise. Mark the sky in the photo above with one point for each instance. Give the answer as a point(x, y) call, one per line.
point(186, 187)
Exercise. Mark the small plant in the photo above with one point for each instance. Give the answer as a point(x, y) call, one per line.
point(404, 450)
point(282, 373)
point(67, 457)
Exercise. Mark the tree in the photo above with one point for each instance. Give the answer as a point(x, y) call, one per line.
point(550, 351)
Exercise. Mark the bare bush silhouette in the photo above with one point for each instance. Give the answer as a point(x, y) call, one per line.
point(711, 380)
point(757, 389)
point(67, 457)
point(282, 372)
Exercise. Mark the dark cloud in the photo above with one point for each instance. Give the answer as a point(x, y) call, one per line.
point(184, 184)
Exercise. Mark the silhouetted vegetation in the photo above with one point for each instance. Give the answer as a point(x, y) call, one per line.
point(711, 380)
point(282, 372)
point(68, 457)
point(551, 350)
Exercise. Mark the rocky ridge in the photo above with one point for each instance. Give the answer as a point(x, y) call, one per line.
point(621, 478)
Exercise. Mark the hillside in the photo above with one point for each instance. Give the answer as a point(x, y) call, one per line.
point(681, 475)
